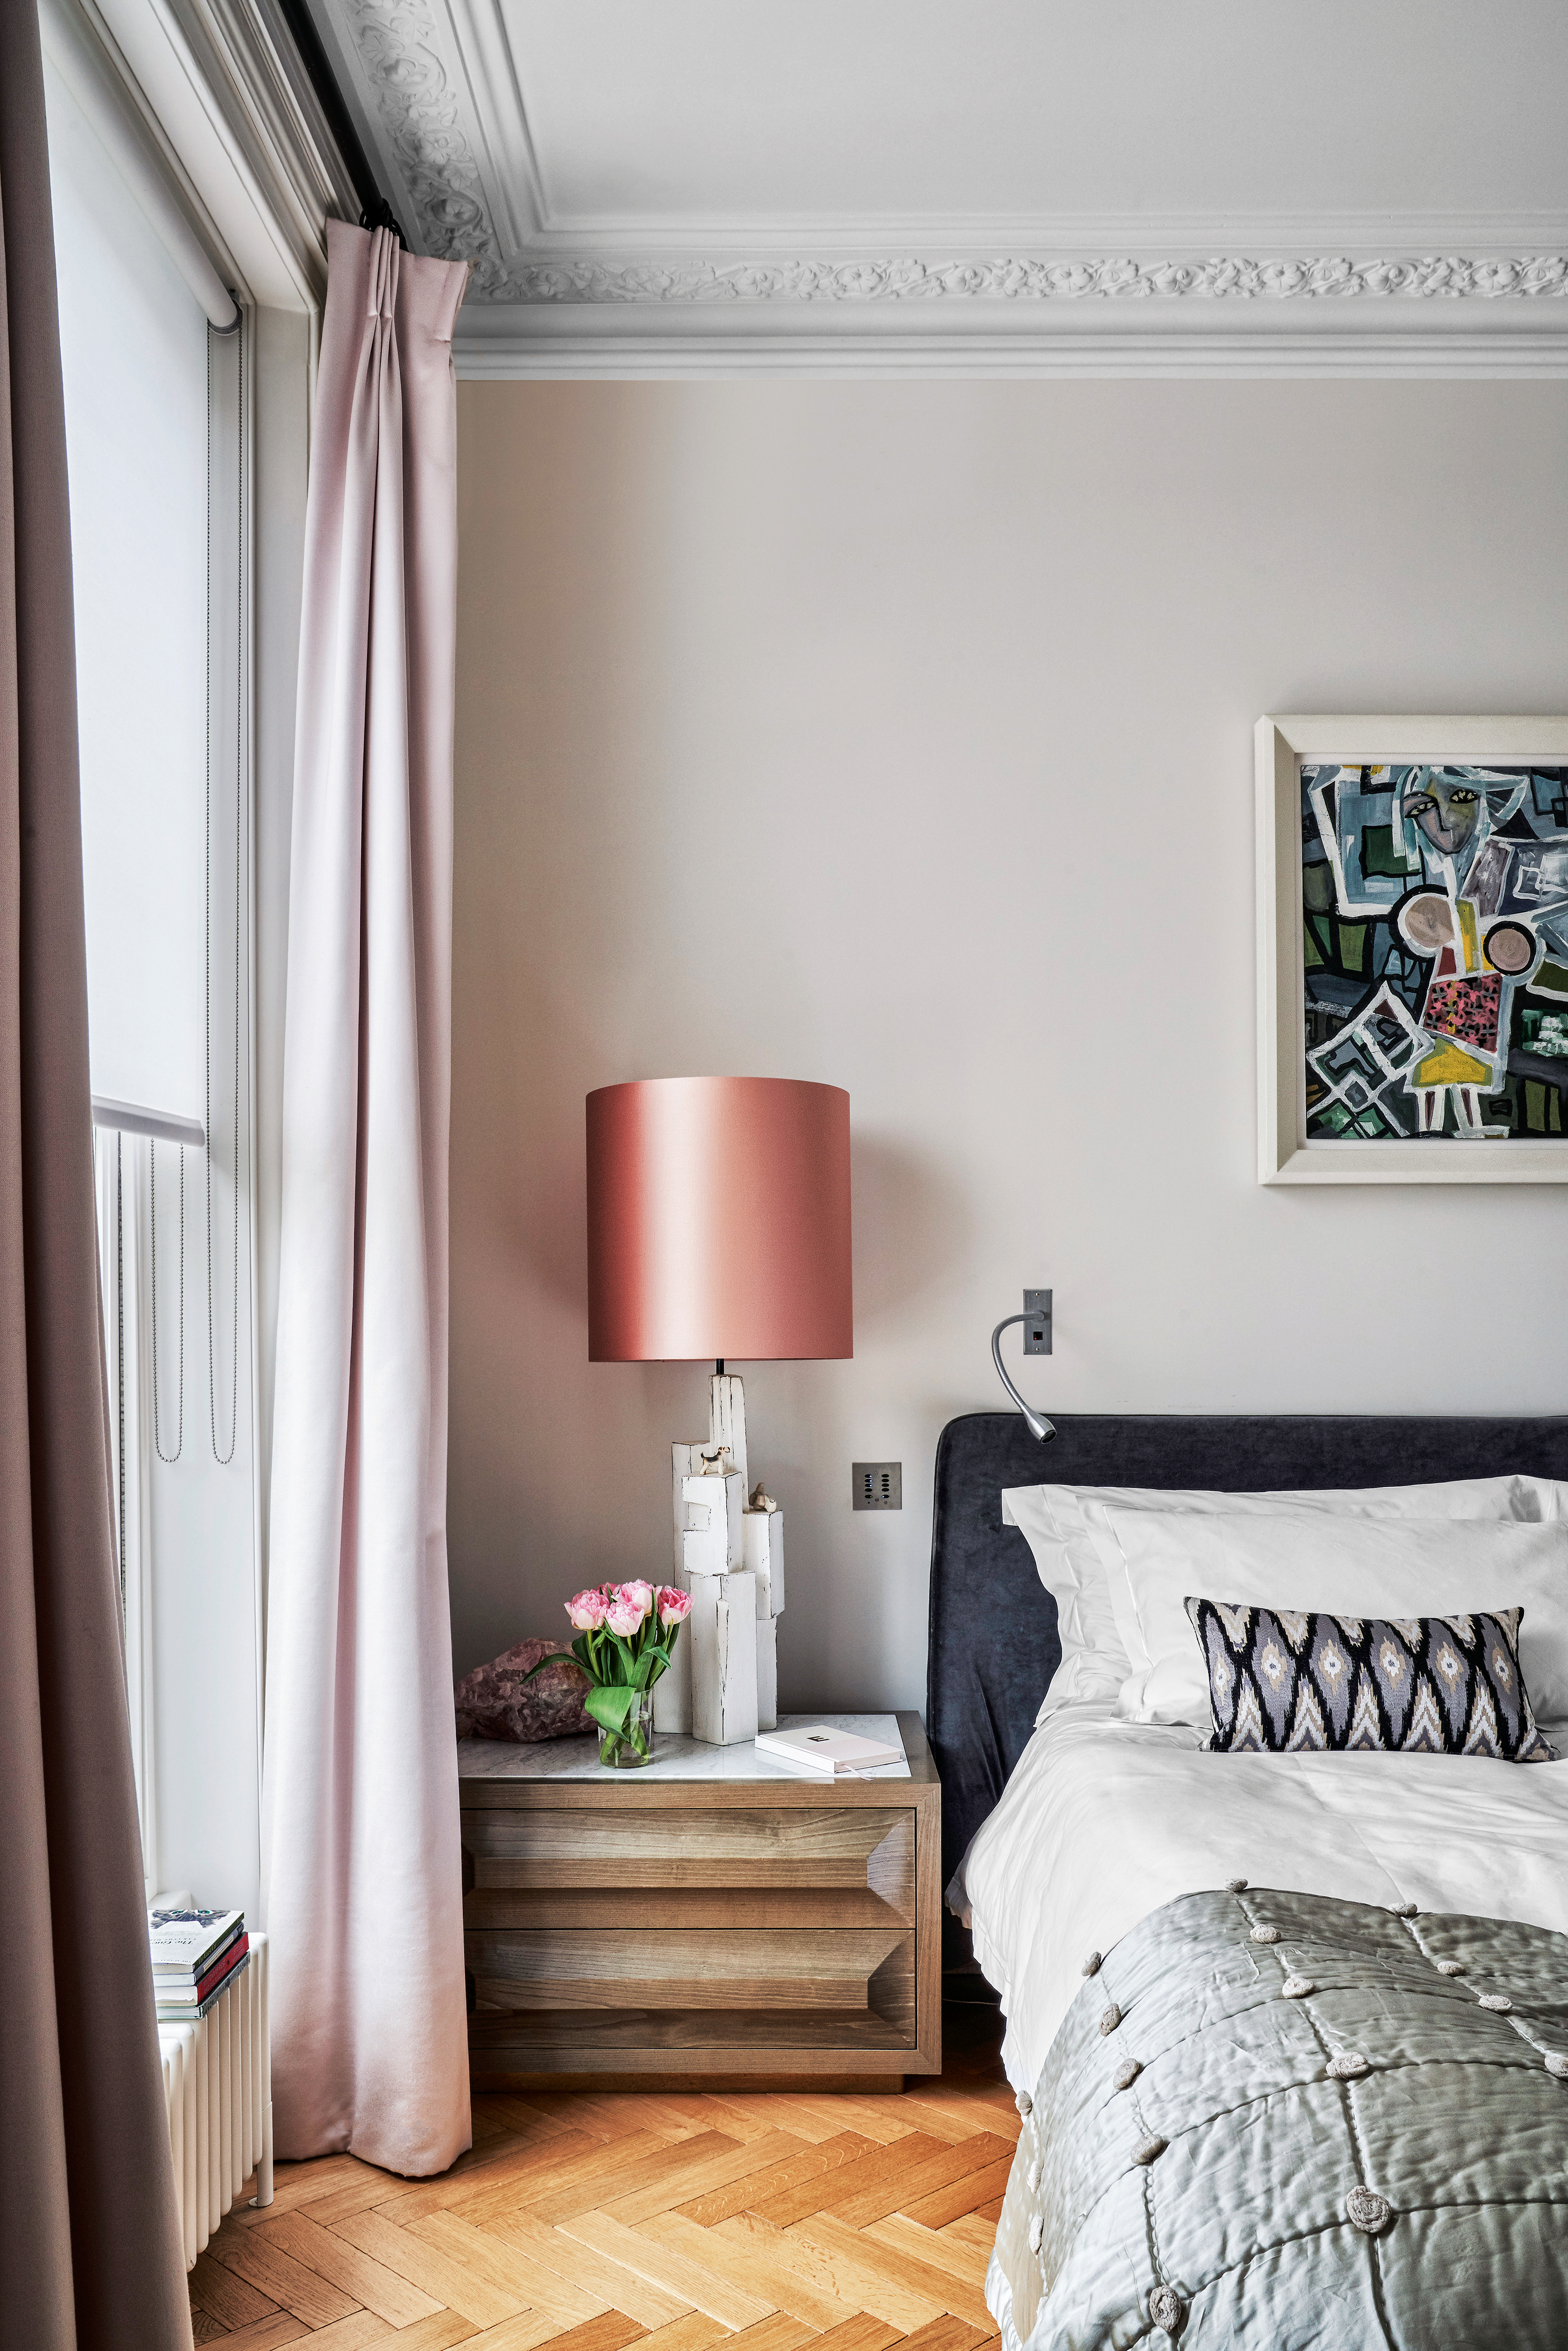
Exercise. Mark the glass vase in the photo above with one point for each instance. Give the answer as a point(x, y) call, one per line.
point(632, 1745)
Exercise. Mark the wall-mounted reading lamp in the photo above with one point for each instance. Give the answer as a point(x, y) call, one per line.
point(1035, 1319)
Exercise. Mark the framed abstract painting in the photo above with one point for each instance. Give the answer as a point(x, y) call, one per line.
point(1413, 950)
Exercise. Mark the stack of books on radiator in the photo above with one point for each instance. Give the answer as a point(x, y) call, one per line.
point(195, 1953)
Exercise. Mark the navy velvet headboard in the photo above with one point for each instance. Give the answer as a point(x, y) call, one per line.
point(993, 1626)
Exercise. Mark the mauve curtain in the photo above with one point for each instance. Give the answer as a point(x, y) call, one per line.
point(363, 1865)
point(91, 2255)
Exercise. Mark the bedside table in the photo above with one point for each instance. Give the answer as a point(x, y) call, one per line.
point(710, 1918)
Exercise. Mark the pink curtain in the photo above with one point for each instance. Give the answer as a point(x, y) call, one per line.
point(91, 2258)
point(363, 1889)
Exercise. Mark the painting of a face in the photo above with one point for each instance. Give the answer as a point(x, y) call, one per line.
point(1446, 812)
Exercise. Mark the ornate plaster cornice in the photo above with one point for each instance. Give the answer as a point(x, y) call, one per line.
point(551, 297)
point(400, 49)
point(1447, 277)
point(412, 75)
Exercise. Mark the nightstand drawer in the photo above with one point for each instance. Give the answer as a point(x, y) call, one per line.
point(867, 1849)
point(867, 1972)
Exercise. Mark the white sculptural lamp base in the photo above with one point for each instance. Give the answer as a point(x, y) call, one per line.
point(723, 1682)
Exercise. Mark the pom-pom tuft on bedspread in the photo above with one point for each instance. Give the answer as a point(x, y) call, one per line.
point(1368, 2211)
point(1166, 2311)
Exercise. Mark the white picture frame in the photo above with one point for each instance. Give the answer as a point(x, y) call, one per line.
point(1283, 745)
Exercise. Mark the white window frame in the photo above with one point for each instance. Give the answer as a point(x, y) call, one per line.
point(120, 1183)
point(233, 132)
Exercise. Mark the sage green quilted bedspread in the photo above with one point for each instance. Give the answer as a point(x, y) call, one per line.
point(1338, 2127)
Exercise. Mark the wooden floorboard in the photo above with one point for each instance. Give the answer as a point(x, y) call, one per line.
point(715, 2221)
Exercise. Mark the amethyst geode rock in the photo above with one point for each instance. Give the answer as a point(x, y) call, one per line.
point(494, 1701)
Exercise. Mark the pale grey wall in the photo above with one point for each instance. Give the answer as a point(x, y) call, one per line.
point(899, 735)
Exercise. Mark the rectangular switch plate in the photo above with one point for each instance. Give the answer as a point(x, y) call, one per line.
point(879, 1485)
point(1037, 1328)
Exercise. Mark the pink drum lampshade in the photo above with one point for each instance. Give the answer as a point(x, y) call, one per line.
point(718, 1220)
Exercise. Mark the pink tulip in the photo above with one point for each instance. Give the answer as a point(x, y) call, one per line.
point(625, 1614)
point(674, 1606)
point(587, 1610)
point(641, 1595)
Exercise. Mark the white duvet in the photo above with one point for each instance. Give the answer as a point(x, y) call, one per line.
point(1104, 1821)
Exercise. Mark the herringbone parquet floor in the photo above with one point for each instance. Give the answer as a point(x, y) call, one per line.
point(602, 2222)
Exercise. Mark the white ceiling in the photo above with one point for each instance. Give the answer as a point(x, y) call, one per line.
point(700, 182)
point(704, 115)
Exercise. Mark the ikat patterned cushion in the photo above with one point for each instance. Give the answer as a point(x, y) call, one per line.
point(1286, 1681)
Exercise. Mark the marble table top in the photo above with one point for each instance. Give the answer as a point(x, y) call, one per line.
point(674, 1758)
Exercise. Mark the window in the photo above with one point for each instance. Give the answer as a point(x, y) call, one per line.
point(158, 448)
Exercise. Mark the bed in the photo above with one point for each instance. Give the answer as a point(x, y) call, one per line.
point(1139, 1903)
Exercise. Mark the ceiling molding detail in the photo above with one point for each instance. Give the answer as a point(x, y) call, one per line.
point(1379, 339)
point(1328, 277)
point(1359, 293)
point(416, 92)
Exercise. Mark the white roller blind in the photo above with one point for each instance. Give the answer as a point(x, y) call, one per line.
point(134, 353)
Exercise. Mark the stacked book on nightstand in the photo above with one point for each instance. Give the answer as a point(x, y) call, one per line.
point(194, 1955)
point(826, 1753)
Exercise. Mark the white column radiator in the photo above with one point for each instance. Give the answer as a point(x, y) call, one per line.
point(217, 2087)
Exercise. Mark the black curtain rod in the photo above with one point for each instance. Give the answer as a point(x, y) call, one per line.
point(376, 211)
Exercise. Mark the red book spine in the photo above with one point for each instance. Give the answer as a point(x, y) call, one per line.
point(220, 1967)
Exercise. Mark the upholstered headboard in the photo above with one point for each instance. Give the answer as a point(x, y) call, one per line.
point(993, 1626)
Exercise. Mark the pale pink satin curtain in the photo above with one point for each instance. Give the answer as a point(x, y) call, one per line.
point(363, 1886)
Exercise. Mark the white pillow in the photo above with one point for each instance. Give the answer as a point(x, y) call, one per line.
point(1079, 1562)
point(1095, 1661)
point(1349, 1565)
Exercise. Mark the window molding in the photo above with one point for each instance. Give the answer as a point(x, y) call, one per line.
point(120, 1184)
point(221, 102)
point(228, 110)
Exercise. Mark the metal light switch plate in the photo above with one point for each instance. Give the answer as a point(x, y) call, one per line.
point(1037, 1323)
point(878, 1485)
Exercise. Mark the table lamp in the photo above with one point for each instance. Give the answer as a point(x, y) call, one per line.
point(718, 1230)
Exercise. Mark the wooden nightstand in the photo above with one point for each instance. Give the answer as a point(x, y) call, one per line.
point(712, 1916)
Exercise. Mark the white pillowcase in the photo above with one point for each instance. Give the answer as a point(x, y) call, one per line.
point(1079, 1560)
point(1348, 1565)
point(1094, 1660)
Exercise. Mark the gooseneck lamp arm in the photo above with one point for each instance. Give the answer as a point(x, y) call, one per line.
point(1036, 1424)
